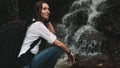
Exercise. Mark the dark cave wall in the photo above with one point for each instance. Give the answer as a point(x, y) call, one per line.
point(24, 9)
point(8, 10)
point(109, 24)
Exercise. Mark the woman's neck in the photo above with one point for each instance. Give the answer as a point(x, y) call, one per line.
point(40, 19)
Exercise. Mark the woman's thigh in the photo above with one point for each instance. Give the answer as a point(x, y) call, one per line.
point(45, 57)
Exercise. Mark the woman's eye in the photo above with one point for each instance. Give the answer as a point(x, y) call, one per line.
point(45, 8)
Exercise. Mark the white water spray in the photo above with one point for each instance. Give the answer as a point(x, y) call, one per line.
point(89, 6)
point(92, 12)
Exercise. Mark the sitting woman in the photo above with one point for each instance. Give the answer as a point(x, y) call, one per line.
point(39, 30)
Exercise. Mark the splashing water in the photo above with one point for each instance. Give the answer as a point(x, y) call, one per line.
point(94, 13)
point(77, 33)
point(86, 5)
point(79, 27)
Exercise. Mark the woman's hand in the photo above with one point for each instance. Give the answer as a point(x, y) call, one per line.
point(51, 27)
point(71, 57)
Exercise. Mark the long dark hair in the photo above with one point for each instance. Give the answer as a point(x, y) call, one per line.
point(38, 9)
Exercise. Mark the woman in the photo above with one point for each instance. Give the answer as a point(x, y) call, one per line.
point(48, 57)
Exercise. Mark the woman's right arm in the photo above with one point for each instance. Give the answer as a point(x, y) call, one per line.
point(52, 39)
point(65, 49)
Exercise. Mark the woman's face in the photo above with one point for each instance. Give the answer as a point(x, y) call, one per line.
point(45, 11)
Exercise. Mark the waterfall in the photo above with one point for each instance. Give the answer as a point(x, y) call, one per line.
point(89, 6)
point(79, 28)
point(77, 33)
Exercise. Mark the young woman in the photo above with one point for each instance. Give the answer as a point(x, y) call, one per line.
point(48, 57)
